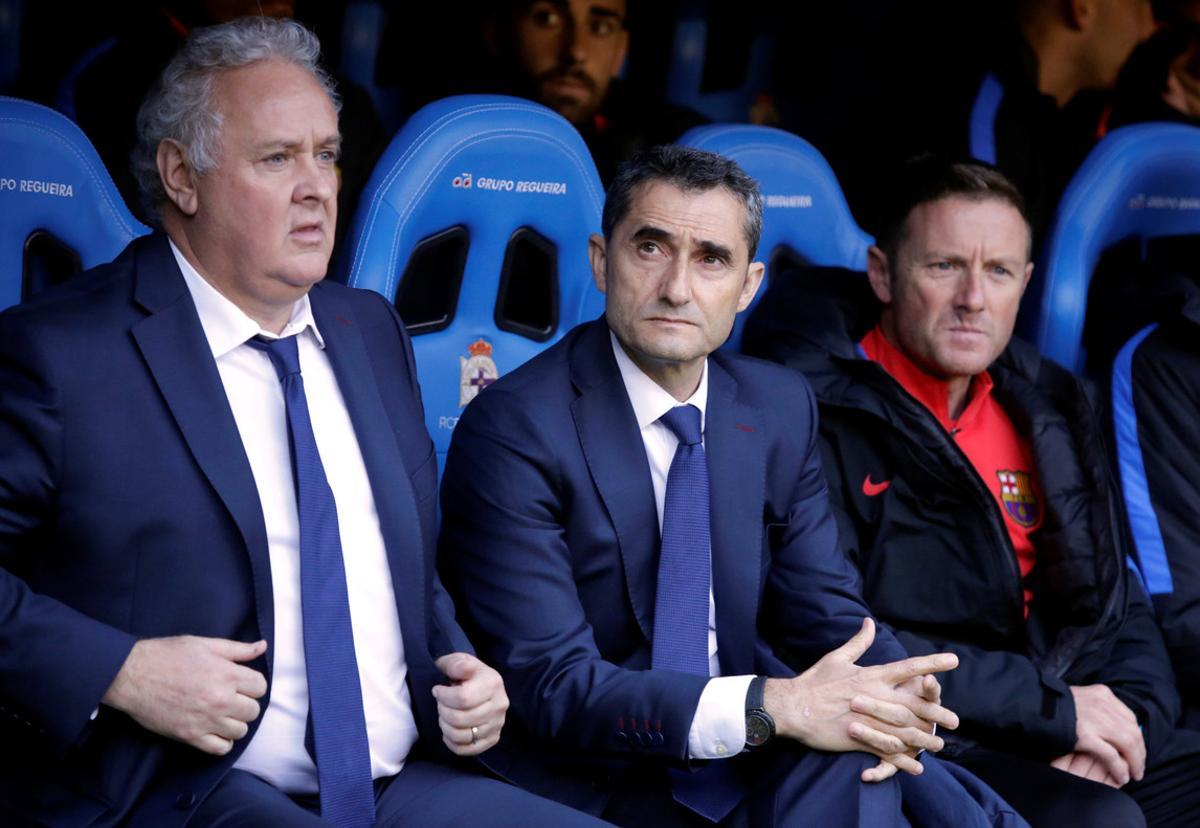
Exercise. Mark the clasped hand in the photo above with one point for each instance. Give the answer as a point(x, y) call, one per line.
point(472, 707)
point(1109, 747)
point(888, 710)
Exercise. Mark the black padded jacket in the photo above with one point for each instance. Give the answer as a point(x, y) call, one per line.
point(936, 560)
point(1156, 412)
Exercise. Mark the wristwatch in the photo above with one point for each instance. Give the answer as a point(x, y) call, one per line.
point(760, 727)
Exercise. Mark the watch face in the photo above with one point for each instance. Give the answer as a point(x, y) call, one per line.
point(758, 731)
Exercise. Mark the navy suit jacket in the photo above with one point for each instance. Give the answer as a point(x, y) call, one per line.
point(128, 510)
point(550, 538)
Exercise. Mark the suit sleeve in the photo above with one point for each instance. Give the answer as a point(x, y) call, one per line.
point(814, 593)
point(504, 543)
point(445, 633)
point(55, 662)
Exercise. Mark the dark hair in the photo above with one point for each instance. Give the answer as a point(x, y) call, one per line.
point(929, 178)
point(692, 171)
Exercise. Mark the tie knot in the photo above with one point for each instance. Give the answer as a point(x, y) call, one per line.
point(284, 354)
point(684, 422)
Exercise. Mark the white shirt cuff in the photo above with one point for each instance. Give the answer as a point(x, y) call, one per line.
point(718, 729)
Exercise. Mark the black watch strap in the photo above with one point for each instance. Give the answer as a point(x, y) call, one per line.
point(754, 694)
point(760, 727)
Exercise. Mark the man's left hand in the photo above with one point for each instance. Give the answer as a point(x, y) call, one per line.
point(471, 708)
point(925, 687)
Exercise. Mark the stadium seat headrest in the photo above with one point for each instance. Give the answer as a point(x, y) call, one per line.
point(1141, 181)
point(475, 223)
point(53, 182)
point(806, 219)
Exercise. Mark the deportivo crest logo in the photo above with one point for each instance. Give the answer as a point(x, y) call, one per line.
point(1016, 492)
point(477, 372)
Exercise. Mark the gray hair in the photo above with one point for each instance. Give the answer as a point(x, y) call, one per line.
point(181, 107)
point(692, 171)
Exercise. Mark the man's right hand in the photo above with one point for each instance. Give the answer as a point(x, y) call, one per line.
point(836, 705)
point(191, 689)
point(1109, 747)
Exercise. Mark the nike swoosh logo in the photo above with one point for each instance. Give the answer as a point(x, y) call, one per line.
point(871, 489)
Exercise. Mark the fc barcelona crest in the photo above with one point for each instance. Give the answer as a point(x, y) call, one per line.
point(477, 372)
point(1016, 492)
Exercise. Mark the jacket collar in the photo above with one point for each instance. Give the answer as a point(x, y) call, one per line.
point(735, 444)
point(178, 357)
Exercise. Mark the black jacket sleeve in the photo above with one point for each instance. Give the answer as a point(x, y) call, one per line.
point(1001, 697)
point(1139, 673)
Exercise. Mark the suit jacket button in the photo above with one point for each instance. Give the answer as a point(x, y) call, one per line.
point(185, 800)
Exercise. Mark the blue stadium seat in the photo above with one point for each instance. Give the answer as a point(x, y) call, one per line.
point(53, 184)
point(64, 96)
point(982, 137)
point(806, 219)
point(685, 83)
point(363, 26)
point(1141, 181)
point(1151, 566)
point(475, 223)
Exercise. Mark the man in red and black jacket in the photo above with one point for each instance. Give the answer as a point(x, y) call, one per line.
point(970, 483)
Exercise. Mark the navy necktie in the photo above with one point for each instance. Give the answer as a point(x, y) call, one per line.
point(339, 728)
point(681, 600)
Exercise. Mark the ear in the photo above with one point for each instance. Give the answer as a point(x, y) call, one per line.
point(1028, 273)
point(598, 256)
point(177, 177)
point(879, 273)
point(754, 277)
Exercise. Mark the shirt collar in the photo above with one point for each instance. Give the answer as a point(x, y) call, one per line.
point(226, 326)
point(931, 392)
point(650, 400)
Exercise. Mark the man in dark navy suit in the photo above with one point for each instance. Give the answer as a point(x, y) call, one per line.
point(217, 513)
point(640, 532)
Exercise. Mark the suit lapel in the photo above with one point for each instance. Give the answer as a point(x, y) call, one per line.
point(395, 501)
point(178, 356)
point(616, 458)
point(735, 444)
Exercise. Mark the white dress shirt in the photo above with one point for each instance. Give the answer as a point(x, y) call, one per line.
point(276, 751)
point(719, 726)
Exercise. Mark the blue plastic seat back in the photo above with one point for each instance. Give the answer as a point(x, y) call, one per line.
point(1140, 181)
point(805, 216)
point(685, 83)
point(64, 96)
point(52, 181)
point(982, 129)
point(363, 27)
point(475, 223)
